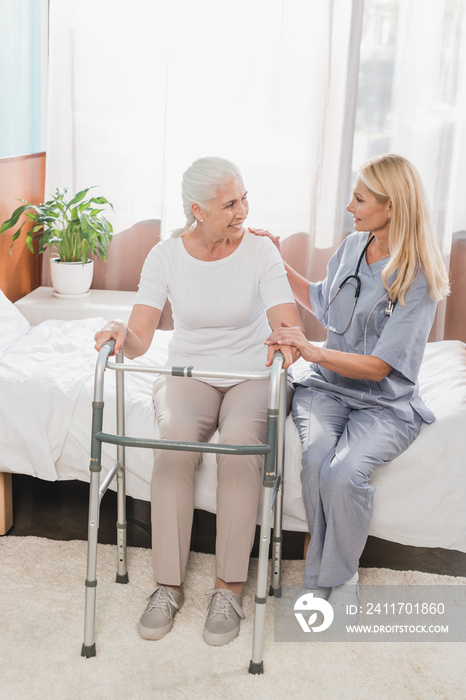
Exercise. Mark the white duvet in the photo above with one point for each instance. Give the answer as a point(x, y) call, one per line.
point(46, 391)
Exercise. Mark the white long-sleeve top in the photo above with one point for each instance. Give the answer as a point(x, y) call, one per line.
point(219, 308)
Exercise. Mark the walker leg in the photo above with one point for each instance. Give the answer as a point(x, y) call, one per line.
point(271, 484)
point(277, 542)
point(275, 589)
point(122, 569)
point(256, 665)
point(277, 539)
point(88, 648)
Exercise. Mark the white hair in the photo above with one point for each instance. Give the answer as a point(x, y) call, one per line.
point(200, 184)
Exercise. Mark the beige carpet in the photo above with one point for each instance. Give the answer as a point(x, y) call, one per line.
point(41, 628)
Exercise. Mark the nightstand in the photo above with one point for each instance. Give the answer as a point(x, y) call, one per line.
point(42, 304)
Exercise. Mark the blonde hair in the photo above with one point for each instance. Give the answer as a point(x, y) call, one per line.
point(412, 241)
point(200, 184)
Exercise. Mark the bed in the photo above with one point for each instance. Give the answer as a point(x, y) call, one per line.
point(46, 379)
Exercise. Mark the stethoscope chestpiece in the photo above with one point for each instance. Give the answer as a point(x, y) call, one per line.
point(389, 310)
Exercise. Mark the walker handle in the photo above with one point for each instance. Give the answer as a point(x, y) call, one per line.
point(111, 345)
point(280, 354)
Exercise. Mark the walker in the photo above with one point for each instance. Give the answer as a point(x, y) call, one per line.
point(272, 482)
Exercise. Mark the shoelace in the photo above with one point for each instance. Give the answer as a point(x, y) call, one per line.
point(222, 603)
point(163, 598)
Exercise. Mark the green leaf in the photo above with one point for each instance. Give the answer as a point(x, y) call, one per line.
point(32, 215)
point(17, 233)
point(78, 197)
point(101, 200)
point(14, 217)
point(29, 242)
point(48, 214)
point(85, 251)
point(83, 207)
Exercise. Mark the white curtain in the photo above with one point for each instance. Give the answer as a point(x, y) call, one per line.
point(412, 100)
point(297, 92)
point(138, 91)
point(412, 97)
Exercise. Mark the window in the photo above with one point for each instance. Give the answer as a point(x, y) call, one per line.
point(410, 96)
point(23, 60)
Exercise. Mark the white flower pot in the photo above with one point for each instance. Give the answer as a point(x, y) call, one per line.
point(71, 278)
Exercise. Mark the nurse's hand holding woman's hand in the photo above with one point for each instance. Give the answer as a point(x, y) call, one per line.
point(291, 354)
point(292, 337)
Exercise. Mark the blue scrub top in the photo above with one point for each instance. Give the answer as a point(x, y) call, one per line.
point(399, 339)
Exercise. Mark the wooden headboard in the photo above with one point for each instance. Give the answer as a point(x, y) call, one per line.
point(20, 178)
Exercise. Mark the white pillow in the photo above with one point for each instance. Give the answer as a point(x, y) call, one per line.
point(13, 325)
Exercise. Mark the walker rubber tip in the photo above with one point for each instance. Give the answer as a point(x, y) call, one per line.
point(122, 578)
point(256, 668)
point(88, 652)
point(275, 592)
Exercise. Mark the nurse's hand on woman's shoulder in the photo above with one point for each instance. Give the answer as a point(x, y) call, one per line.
point(263, 232)
point(293, 337)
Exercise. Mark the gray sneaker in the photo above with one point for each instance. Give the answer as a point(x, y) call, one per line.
point(157, 618)
point(223, 617)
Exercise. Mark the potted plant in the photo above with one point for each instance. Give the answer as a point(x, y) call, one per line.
point(71, 229)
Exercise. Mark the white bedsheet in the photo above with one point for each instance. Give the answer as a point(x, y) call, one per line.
point(46, 380)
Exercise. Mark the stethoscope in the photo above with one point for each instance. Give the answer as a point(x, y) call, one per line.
point(355, 276)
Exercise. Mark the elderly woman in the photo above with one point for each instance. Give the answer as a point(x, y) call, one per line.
point(228, 290)
point(357, 403)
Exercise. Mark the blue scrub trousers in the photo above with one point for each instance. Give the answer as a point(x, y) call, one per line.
point(344, 441)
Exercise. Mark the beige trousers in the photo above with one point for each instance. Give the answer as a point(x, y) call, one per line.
point(192, 410)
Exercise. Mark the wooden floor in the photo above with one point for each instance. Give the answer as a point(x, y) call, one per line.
point(58, 510)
